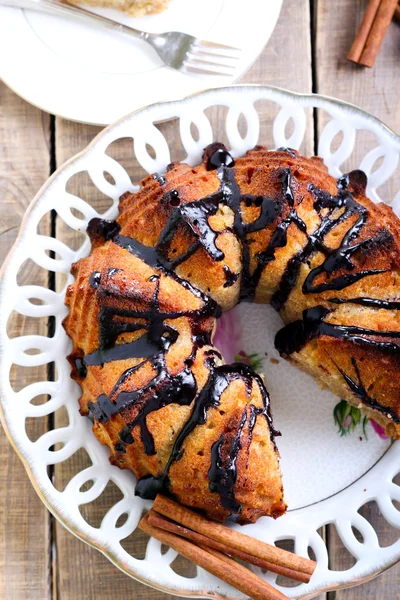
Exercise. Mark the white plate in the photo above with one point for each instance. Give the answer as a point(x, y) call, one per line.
point(81, 73)
point(327, 478)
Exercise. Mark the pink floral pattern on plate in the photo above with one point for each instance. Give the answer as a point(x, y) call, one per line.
point(378, 429)
point(227, 336)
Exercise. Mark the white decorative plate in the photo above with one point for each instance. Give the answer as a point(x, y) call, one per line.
point(73, 70)
point(327, 478)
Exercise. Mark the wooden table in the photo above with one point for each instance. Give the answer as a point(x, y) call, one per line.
point(39, 559)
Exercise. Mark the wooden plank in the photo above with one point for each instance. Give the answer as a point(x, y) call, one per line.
point(384, 587)
point(24, 521)
point(82, 571)
point(375, 90)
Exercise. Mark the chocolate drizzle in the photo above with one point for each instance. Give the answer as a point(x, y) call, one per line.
point(94, 279)
point(102, 230)
point(359, 390)
point(218, 381)
point(125, 436)
point(120, 447)
point(216, 155)
point(159, 178)
point(279, 240)
point(112, 272)
point(230, 277)
point(195, 216)
point(295, 335)
point(370, 302)
point(222, 475)
point(338, 258)
point(290, 151)
point(229, 195)
point(155, 336)
point(80, 367)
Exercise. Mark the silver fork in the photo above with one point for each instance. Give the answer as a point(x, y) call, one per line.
point(177, 50)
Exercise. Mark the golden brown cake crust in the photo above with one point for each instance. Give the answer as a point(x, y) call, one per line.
point(351, 272)
point(273, 227)
point(158, 392)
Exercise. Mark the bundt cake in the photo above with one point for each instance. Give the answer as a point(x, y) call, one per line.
point(271, 227)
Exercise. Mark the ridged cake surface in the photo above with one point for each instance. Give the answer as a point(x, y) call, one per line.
point(271, 227)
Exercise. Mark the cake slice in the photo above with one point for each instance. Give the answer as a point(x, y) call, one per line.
point(135, 8)
point(158, 391)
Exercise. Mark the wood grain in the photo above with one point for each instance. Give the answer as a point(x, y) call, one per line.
point(24, 521)
point(82, 572)
point(377, 91)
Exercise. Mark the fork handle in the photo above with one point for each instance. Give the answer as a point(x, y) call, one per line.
point(64, 9)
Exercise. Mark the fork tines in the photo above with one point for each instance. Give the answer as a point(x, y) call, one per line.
point(210, 58)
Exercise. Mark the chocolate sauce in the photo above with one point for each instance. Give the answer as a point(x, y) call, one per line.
point(80, 367)
point(370, 302)
point(195, 216)
point(157, 337)
point(341, 258)
point(222, 475)
point(146, 253)
point(359, 390)
point(338, 258)
point(356, 179)
point(94, 279)
point(119, 447)
point(218, 380)
point(161, 180)
point(230, 277)
point(216, 156)
point(125, 436)
point(149, 486)
point(163, 388)
point(279, 240)
point(152, 346)
point(268, 213)
point(138, 349)
point(295, 335)
point(101, 229)
point(112, 272)
point(290, 151)
point(230, 195)
point(172, 197)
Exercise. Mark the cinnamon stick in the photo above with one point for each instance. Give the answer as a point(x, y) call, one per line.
point(363, 31)
point(372, 30)
point(378, 31)
point(216, 563)
point(206, 542)
point(233, 539)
